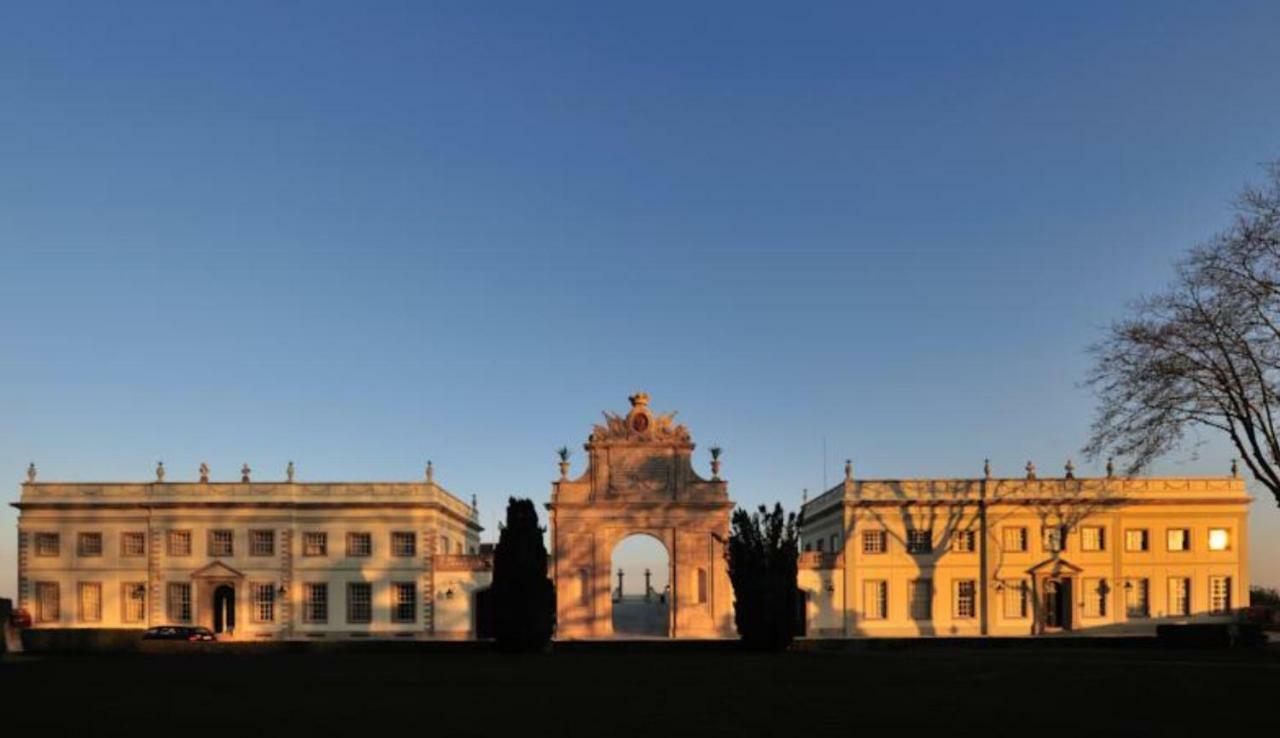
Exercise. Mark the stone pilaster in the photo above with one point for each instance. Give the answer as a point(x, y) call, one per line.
point(155, 577)
point(429, 579)
point(24, 584)
point(286, 581)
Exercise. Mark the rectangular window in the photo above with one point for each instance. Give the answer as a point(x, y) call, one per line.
point(1095, 598)
point(179, 543)
point(48, 544)
point(919, 541)
point(1093, 538)
point(359, 545)
point(874, 542)
point(964, 541)
point(875, 599)
point(822, 545)
point(966, 599)
point(444, 544)
point(1015, 600)
point(920, 599)
point(359, 602)
point(89, 544)
point(48, 602)
point(90, 602)
point(1015, 539)
point(1219, 539)
point(1178, 539)
point(1179, 596)
point(133, 596)
point(403, 543)
point(315, 602)
point(264, 602)
point(315, 543)
point(1137, 598)
point(1051, 537)
point(133, 543)
point(220, 542)
point(835, 542)
point(1137, 539)
point(180, 602)
point(262, 543)
point(1220, 595)
point(405, 604)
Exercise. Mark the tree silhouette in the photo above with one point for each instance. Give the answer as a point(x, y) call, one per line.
point(762, 554)
point(523, 597)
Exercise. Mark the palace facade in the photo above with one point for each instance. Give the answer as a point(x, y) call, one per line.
point(943, 557)
point(251, 560)
point(1023, 556)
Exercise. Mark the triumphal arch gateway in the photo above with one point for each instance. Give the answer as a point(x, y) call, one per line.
point(640, 479)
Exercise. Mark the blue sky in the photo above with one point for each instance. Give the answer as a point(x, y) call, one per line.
point(361, 236)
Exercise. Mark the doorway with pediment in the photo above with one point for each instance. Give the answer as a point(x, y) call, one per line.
point(217, 589)
point(639, 479)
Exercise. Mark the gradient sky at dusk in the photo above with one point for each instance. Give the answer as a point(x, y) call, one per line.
point(359, 236)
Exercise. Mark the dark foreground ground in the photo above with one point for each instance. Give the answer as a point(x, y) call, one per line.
point(644, 692)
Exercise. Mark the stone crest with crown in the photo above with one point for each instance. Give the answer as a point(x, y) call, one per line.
point(640, 425)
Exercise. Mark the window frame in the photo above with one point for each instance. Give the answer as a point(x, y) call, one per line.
point(1226, 533)
point(913, 599)
point(964, 541)
point(1023, 539)
point(1186, 540)
point(918, 535)
point(256, 591)
point(1227, 582)
point(397, 602)
point(1101, 546)
point(877, 608)
point(1146, 540)
point(256, 537)
point(83, 551)
point(1019, 589)
point(311, 604)
point(366, 617)
point(877, 534)
point(214, 534)
point(182, 536)
point(132, 535)
point(1187, 609)
point(127, 590)
point(355, 535)
point(179, 609)
point(312, 537)
point(1133, 586)
point(958, 585)
point(82, 613)
point(42, 590)
point(42, 537)
point(399, 536)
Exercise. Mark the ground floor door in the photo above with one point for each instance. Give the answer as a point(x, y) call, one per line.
point(1057, 604)
point(224, 609)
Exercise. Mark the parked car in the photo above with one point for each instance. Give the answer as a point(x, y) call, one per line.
point(178, 633)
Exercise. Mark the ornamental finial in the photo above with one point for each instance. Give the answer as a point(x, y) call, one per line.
point(848, 470)
point(244, 473)
point(715, 462)
point(204, 473)
point(1070, 469)
point(288, 472)
point(431, 473)
point(986, 468)
point(1031, 470)
point(159, 471)
point(1111, 467)
point(31, 472)
point(475, 506)
point(804, 496)
point(1235, 468)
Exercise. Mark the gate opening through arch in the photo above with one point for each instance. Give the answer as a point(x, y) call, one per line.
point(641, 594)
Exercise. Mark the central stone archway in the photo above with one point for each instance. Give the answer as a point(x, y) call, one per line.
point(640, 479)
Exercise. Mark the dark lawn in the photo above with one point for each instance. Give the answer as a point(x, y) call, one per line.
point(807, 695)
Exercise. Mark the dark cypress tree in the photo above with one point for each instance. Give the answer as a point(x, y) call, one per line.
point(763, 554)
point(523, 597)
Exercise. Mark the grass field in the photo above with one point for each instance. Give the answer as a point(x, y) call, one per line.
point(650, 693)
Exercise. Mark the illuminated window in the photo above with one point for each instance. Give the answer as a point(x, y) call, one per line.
point(1093, 538)
point(264, 602)
point(1178, 539)
point(405, 602)
point(919, 541)
point(1179, 596)
point(403, 543)
point(315, 602)
point(359, 544)
point(179, 543)
point(1219, 539)
point(875, 594)
point(359, 602)
point(90, 601)
point(874, 542)
point(48, 544)
point(1220, 594)
point(133, 596)
point(179, 602)
point(1015, 539)
point(920, 599)
point(1015, 600)
point(133, 543)
point(315, 543)
point(48, 602)
point(262, 543)
point(1136, 539)
point(966, 598)
point(89, 544)
point(1137, 598)
point(1095, 598)
point(1051, 538)
point(965, 541)
point(220, 542)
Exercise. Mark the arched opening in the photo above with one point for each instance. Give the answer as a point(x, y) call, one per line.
point(640, 584)
point(224, 609)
